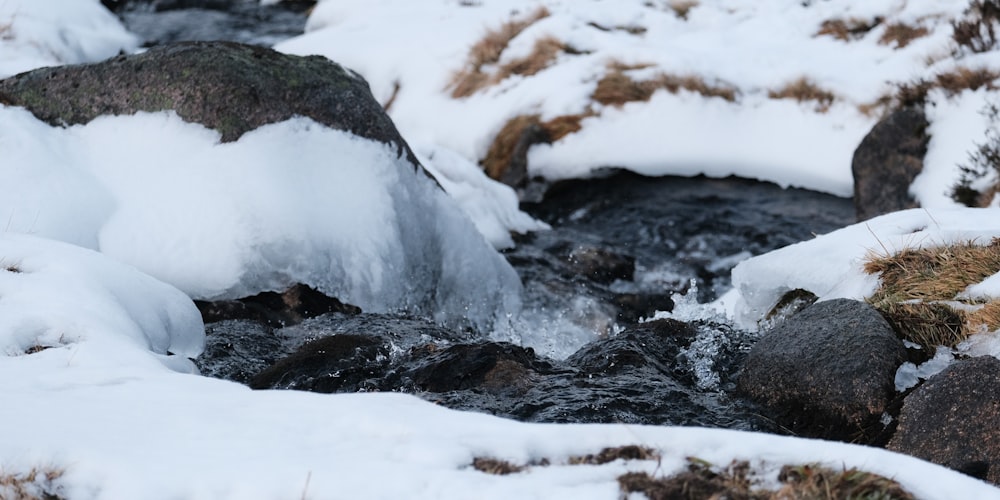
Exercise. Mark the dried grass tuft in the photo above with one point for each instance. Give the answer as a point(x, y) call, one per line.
point(977, 32)
point(36, 484)
point(495, 466)
point(487, 51)
point(617, 88)
point(683, 7)
point(545, 51)
point(955, 82)
point(847, 29)
point(702, 480)
point(608, 455)
point(900, 35)
point(917, 286)
point(520, 133)
point(813, 481)
point(804, 90)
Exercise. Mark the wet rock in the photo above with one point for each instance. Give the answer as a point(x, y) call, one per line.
point(887, 161)
point(639, 376)
point(601, 264)
point(493, 367)
point(951, 419)
point(296, 304)
point(827, 372)
point(226, 86)
point(338, 363)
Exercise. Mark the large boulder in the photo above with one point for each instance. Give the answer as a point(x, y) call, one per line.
point(952, 419)
point(887, 161)
point(230, 87)
point(827, 372)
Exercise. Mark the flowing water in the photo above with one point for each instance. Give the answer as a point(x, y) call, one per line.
point(621, 248)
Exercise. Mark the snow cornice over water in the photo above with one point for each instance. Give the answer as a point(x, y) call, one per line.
point(110, 228)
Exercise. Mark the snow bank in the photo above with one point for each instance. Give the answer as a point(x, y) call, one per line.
point(830, 266)
point(756, 48)
point(54, 295)
point(49, 33)
point(290, 202)
point(162, 436)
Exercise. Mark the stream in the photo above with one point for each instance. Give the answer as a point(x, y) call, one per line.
point(621, 248)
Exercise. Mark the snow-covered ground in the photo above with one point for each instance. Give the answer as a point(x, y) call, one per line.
point(93, 344)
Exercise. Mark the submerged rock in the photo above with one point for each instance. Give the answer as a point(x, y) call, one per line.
point(640, 376)
point(230, 87)
point(827, 372)
point(952, 419)
point(887, 161)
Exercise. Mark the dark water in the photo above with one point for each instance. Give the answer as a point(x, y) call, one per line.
point(244, 21)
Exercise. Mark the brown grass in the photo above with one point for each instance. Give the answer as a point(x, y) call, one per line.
point(914, 93)
point(545, 51)
point(804, 90)
point(900, 35)
point(487, 51)
point(502, 149)
point(617, 88)
point(701, 480)
point(916, 283)
point(977, 31)
point(36, 484)
point(505, 144)
point(847, 29)
point(962, 79)
point(683, 7)
point(495, 466)
point(608, 455)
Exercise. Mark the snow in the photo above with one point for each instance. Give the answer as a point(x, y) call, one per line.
point(175, 214)
point(44, 33)
point(223, 221)
point(753, 47)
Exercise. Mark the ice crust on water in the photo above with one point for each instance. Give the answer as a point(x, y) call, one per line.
point(288, 202)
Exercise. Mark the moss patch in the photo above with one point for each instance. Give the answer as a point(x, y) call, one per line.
point(919, 287)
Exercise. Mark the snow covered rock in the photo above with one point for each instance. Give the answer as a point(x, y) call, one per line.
point(952, 419)
point(56, 295)
point(887, 161)
point(229, 87)
point(826, 372)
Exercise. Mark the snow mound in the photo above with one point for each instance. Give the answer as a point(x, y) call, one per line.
point(830, 266)
point(53, 294)
point(35, 34)
point(290, 202)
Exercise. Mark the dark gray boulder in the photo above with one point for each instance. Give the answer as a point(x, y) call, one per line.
point(887, 161)
point(230, 87)
point(952, 419)
point(827, 372)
